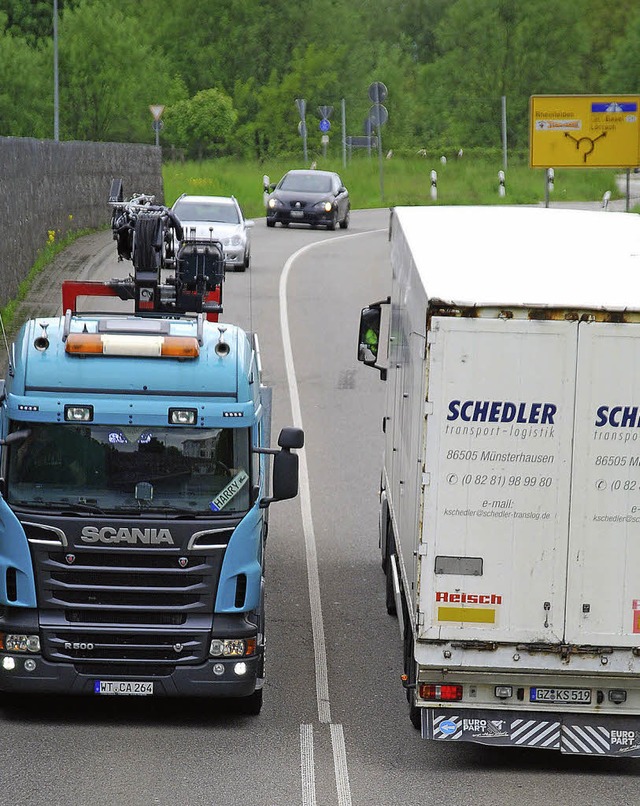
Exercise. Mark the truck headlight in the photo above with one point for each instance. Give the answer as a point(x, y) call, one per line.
point(232, 647)
point(15, 642)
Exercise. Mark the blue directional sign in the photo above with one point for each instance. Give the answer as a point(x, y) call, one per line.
point(325, 125)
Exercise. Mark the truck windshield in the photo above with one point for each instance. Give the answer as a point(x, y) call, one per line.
point(131, 468)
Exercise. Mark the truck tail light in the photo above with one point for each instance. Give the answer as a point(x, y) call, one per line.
point(450, 692)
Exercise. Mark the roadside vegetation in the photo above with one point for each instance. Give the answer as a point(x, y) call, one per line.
point(405, 180)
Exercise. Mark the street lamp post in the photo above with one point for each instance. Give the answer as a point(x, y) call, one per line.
point(56, 103)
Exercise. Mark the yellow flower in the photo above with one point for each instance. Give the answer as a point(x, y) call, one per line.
point(51, 235)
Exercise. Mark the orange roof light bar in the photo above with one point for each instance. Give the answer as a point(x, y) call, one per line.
point(135, 345)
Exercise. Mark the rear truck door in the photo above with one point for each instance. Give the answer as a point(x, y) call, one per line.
point(603, 597)
point(493, 557)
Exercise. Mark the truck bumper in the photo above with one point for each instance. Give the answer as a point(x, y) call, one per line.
point(186, 681)
point(577, 734)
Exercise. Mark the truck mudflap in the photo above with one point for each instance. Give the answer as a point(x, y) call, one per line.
point(577, 734)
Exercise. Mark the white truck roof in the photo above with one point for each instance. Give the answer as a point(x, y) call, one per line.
point(530, 256)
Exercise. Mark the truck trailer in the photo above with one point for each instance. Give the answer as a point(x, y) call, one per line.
point(136, 486)
point(509, 521)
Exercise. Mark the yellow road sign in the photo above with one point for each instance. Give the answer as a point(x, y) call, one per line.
point(584, 131)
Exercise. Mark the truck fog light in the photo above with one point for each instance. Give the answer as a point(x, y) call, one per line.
point(240, 668)
point(8, 664)
point(218, 668)
point(183, 416)
point(29, 665)
point(618, 695)
point(503, 692)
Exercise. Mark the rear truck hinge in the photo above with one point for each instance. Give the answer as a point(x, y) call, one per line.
point(421, 550)
point(428, 408)
point(426, 479)
point(419, 618)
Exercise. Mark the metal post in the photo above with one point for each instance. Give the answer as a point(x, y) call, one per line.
point(344, 134)
point(504, 132)
point(56, 103)
point(304, 141)
point(380, 143)
point(626, 205)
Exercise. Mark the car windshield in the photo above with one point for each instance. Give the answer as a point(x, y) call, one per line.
point(194, 471)
point(311, 183)
point(206, 211)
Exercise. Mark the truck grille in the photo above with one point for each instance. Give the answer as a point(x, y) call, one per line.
point(139, 606)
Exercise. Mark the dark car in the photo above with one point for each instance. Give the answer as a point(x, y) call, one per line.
point(308, 197)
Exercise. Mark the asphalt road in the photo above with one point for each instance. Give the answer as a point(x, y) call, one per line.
point(334, 730)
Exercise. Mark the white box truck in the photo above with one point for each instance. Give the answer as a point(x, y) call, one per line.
point(510, 488)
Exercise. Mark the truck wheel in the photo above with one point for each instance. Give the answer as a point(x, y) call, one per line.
point(415, 715)
point(410, 670)
point(390, 599)
point(251, 705)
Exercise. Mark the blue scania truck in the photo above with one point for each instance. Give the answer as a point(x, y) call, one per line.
point(136, 485)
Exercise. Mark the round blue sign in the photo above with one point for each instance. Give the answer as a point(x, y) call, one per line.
point(325, 125)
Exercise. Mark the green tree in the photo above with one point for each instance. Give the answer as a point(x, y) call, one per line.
point(495, 48)
point(622, 63)
point(109, 75)
point(202, 125)
point(26, 89)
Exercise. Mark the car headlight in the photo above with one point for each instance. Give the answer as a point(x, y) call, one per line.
point(233, 240)
point(327, 206)
point(273, 203)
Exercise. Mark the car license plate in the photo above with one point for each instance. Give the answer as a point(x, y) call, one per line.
point(296, 214)
point(135, 687)
point(581, 696)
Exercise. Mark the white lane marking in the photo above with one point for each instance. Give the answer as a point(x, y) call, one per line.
point(340, 765)
point(307, 767)
point(317, 624)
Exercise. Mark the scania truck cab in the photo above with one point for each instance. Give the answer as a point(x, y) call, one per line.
point(134, 510)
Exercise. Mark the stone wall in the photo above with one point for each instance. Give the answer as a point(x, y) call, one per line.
point(61, 187)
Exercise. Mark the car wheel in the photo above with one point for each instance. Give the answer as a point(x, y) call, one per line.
point(332, 224)
point(345, 221)
point(270, 222)
point(285, 223)
point(247, 260)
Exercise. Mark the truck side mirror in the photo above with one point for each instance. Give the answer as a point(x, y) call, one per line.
point(285, 465)
point(291, 438)
point(372, 349)
point(369, 335)
point(285, 475)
